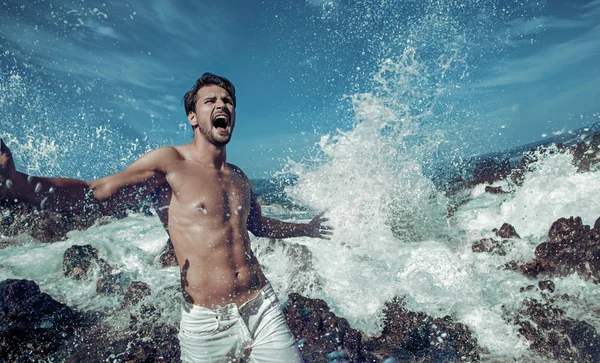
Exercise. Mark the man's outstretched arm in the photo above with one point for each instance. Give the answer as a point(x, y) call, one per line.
point(261, 226)
point(119, 191)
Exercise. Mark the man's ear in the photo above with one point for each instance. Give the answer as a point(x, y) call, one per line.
point(192, 119)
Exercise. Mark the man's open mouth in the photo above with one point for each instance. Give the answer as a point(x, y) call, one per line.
point(221, 122)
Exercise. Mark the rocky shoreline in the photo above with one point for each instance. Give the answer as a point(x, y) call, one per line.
point(36, 327)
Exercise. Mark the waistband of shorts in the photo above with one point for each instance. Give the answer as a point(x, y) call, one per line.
point(266, 293)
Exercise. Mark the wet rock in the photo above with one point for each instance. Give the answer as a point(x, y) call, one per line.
point(506, 231)
point(7, 242)
point(556, 336)
point(6, 220)
point(135, 293)
point(79, 261)
point(34, 327)
point(489, 245)
point(527, 288)
point(32, 324)
point(114, 284)
point(152, 342)
point(571, 247)
point(149, 338)
point(158, 343)
point(586, 154)
point(517, 175)
point(586, 157)
point(167, 256)
point(45, 226)
point(546, 285)
point(415, 335)
point(406, 336)
point(321, 332)
point(495, 190)
point(490, 170)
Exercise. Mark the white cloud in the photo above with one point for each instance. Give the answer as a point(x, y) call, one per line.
point(527, 27)
point(104, 30)
point(546, 62)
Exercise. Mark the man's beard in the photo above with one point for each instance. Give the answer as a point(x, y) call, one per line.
point(213, 136)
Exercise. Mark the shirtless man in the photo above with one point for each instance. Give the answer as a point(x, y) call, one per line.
point(230, 310)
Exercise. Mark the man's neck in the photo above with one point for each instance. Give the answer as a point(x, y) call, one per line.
point(208, 153)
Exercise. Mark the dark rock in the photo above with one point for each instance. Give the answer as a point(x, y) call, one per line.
point(32, 324)
point(489, 245)
point(321, 331)
point(546, 285)
point(167, 256)
point(556, 336)
point(506, 231)
point(7, 242)
point(586, 154)
point(147, 338)
point(517, 175)
point(159, 343)
point(34, 327)
point(151, 341)
point(135, 293)
point(45, 226)
point(484, 245)
point(490, 170)
point(7, 220)
point(527, 288)
point(571, 247)
point(78, 261)
point(586, 157)
point(406, 333)
point(496, 247)
point(494, 190)
point(115, 284)
point(570, 230)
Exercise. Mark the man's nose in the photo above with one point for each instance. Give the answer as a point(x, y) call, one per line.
point(220, 104)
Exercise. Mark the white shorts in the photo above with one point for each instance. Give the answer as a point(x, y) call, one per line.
point(256, 332)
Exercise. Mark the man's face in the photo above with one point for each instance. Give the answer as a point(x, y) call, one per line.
point(214, 115)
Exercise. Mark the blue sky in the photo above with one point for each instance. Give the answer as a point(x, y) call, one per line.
point(521, 71)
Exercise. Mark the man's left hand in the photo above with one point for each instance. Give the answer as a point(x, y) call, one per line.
point(317, 230)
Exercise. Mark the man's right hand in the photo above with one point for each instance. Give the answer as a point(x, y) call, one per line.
point(7, 164)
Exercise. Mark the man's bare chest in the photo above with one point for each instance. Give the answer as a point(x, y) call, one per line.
point(210, 193)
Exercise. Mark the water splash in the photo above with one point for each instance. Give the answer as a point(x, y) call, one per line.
point(49, 140)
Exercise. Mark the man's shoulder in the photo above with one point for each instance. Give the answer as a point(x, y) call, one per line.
point(236, 169)
point(167, 152)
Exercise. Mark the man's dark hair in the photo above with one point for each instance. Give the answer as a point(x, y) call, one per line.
point(189, 100)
